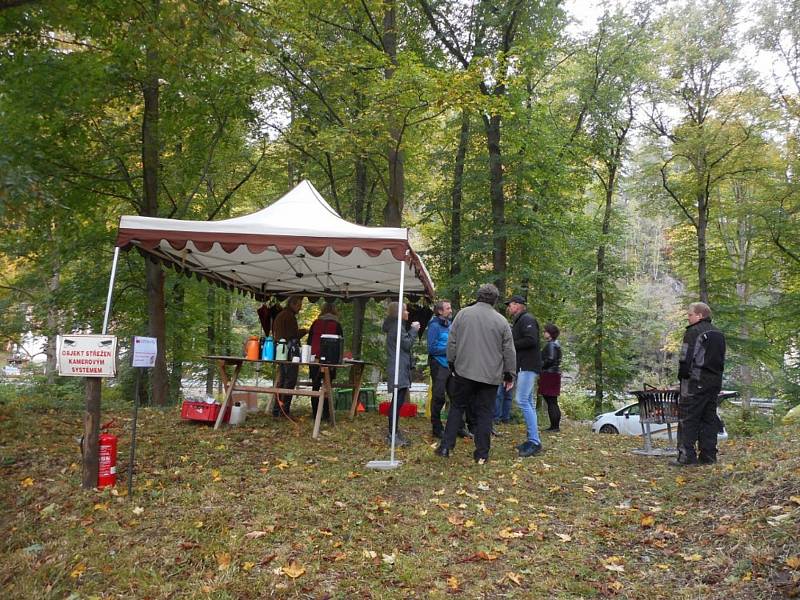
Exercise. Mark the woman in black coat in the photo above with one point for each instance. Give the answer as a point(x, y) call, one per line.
point(407, 337)
point(550, 379)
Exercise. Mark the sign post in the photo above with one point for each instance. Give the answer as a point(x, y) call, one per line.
point(92, 357)
point(144, 356)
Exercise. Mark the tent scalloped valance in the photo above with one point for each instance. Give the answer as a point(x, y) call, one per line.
point(256, 244)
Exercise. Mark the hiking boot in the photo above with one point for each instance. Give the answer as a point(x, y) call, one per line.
point(553, 429)
point(442, 451)
point(705, 460)
point(530, 449)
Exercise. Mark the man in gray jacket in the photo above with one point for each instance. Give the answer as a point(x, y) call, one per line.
point(480, 354)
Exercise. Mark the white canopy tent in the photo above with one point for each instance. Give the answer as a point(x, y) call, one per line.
point(298, 245)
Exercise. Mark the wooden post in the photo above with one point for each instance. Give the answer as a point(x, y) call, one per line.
point(91, 434)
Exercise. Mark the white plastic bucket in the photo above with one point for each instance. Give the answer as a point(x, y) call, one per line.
point(238, 413)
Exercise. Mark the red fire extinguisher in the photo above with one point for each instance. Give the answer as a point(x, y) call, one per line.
point(107, 475)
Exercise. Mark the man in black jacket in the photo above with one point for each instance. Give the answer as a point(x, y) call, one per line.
point(525, 330)
point(702, 362)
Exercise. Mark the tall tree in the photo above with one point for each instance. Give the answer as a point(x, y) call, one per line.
point(700, 44)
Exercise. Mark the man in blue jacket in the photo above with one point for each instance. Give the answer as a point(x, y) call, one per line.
point(438, 331)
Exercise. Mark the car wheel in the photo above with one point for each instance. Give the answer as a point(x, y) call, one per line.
point(608, 429)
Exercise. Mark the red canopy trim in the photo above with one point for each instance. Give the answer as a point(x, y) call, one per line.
point(151, 251)
point(256, 243)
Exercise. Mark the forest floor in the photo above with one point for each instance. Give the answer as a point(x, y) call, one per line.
point(263, 510)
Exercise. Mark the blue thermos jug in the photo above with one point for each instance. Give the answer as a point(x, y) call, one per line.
point(268, 349)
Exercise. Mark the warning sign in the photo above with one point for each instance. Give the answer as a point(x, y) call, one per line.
point(87, 355)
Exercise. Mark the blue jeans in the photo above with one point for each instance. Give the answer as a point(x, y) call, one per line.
point(526, 384)
point(502, 405)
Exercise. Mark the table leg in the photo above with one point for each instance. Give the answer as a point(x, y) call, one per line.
point(357, 374)
point(272, 398)
point(228, 393)
point(326, 377)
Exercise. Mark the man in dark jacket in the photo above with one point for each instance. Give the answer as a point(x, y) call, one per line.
point(480, 354)
point(702, 361)
point(285, 327)
point(525, 330)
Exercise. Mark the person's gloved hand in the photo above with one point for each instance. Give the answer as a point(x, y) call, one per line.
point(508, 377)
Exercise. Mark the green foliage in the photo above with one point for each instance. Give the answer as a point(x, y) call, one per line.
point(751, 423)
point(576, 404)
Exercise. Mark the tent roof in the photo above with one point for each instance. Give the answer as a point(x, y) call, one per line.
point(297, 245)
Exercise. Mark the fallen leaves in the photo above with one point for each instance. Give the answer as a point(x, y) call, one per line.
point(647, 521)
point(27, 482)
point(480, 555)
point(223, 561)
point(793, 562)
point(514, 577)
point(507, 534)
point(293, 570)
point(564, 537)
point(78, 571)
point(254, 535)
point(614, 563)
point(692, 557)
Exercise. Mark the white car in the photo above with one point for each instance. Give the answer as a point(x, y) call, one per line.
point(626, 421)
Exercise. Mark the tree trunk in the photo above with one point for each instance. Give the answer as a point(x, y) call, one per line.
point(393, 210)
point(178, 340)
point(154, 275)
point(456, 197)
point(600, 295)
point(211, 336)
point(360, 214)
point(702, 228)
point(499, 236)
point(51, 366)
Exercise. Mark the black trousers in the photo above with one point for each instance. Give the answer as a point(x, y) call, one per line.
point(288, 375)
point(478, 397)
point(553, 411)
point(439, 375)
point(698, 426)
point(316, 383)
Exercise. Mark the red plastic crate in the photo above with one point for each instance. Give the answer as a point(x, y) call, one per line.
point(407, 410)
point(203, 411)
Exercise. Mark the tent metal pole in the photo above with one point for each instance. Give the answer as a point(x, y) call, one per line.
point(110, 289)
point(397, 354)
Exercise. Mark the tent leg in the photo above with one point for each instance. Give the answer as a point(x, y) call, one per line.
point(110, 289)
point(392, 463)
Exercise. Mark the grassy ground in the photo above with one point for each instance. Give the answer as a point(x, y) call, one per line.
point(265, 511)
